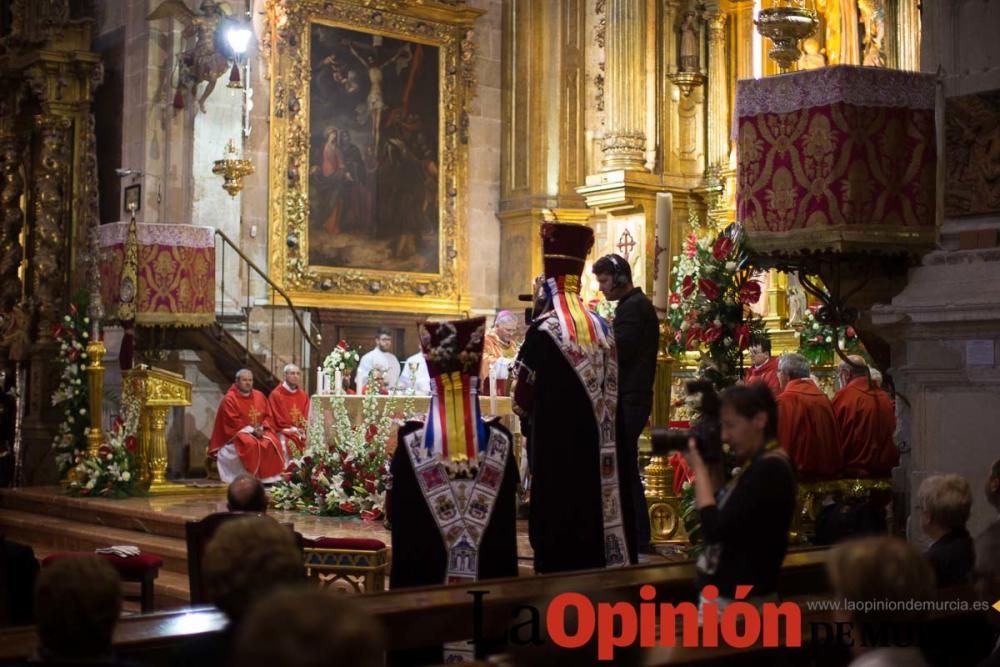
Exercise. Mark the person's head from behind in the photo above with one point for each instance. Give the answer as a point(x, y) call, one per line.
point(77, 603)
point(614, 276)
point(880, 568)
point(792, 366)
point(876, 377)
point(749, 417)
point(760, 351)
point(993, 485)
point(852, 368)
point(301, 627)
point(247, 558)
point(246, 494)
point(944, 502)
point(383, 339)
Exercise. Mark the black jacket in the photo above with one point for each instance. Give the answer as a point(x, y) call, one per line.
point(952, 557)
point(637, 335)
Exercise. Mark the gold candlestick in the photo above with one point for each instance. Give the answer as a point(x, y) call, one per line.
point(95, 387)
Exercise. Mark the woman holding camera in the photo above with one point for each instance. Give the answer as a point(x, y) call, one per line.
point(745, 523)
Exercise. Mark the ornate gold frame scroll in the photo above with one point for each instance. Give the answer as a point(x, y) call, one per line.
point(446, 25)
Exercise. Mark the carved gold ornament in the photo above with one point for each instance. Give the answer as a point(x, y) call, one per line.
point(232, 169)
point(785, 26)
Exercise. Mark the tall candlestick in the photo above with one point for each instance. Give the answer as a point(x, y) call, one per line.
point(661, 261)
point(493, 389)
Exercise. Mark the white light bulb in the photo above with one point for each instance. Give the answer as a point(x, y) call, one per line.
point(239, 39)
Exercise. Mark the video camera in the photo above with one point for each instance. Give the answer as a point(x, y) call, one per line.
point(707, 430)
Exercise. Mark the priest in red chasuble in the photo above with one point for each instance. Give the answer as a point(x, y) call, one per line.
point(765, 367)
point(807, 429)
point(244, 440)
point(290, 410)
point(867, 422)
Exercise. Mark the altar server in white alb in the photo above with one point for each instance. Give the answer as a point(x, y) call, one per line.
point(382, 361)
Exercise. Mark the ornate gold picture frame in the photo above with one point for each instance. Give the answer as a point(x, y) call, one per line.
point(369, 153)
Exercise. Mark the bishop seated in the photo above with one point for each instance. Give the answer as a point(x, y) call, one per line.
point(244, 440)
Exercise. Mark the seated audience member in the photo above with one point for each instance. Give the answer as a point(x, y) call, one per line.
point(944, 502)
point(77, 603)
point(246, 493)
point(18, 572)
point(246, 559)
point(987, 572)
point(880, 568)
point(866, 421)
point(807, 429)
point(308, 628)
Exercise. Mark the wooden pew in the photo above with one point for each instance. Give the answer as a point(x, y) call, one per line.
point(417, 617)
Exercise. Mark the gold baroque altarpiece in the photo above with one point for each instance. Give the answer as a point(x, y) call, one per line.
point(368, 44)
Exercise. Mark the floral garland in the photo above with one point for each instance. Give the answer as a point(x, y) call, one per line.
point(72, 394)
point(347, 475)
point(341, 359)
point(710, 304)
point(816, 339)
point(112, 472)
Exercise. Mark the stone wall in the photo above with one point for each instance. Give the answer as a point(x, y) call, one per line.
point(945, 323)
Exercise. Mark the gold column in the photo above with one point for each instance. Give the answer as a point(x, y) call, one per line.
point(907, 34)
point(717, 93)
point(143, 461)
point(665, 521)
point(624, 141)
point(95, 394)
point(158, 446)
point(51, 196)
point(11, 218)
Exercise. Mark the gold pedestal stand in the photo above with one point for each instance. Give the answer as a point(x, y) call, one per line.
point(160, 390)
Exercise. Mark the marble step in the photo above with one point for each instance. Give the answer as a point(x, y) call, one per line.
point(148, 519)
point(51, 533)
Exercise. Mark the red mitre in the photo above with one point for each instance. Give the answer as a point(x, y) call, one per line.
point(565, 247)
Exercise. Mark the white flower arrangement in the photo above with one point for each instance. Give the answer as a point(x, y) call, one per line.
point(71, 395)
point(111, 472)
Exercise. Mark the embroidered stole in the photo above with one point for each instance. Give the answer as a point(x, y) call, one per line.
point(456, 441)
point(597, 369)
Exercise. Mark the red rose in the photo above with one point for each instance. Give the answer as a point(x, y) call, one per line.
point(131, 444)
point(348, 507)
point(117, 423)
point(371, 433)
point(345, 485)
point(851, 333)
point(750, 292)
point(709, 288)
point(370, 487)
point(687, 286)
point(742, 336)
point(72, 309)
point(371, 515)
point(307, 461)
point(712, 333)
point(372, 455)
point(104, 451)
point(723, 246)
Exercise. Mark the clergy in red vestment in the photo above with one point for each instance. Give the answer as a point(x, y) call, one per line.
point(244, 440)
point(764, 368)
point(807, 428)
point(290, 410)
point(867, 422)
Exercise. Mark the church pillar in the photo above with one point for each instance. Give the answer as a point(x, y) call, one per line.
point(907, 35)
point(625, 89)
point(11, 217)
point(717, 92)
point(543, 146)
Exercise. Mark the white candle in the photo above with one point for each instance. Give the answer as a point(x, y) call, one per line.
point(493, 389)
point(319, 380)
point(338, 382)
point(661, 248)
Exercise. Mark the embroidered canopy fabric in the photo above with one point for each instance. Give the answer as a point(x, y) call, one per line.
point(839, 159)
point(176, 270)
